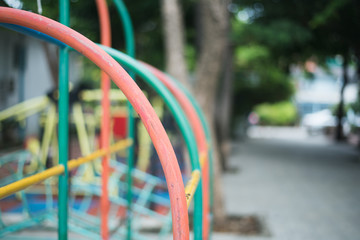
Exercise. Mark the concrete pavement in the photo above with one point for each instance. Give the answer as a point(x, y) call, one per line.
point(301, 188)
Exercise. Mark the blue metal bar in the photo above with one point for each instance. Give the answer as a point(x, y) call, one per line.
point(33, 33)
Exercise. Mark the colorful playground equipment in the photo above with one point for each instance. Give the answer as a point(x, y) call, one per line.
point(137, 193)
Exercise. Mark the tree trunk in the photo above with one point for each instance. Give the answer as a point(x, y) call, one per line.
point(173, 28)
point(223, 109)
point(340, 111)
point(357, 61)
point(213, 22)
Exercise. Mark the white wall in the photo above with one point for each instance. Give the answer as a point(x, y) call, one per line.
point(37, 75)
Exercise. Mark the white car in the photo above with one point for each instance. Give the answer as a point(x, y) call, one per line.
point(319, 121)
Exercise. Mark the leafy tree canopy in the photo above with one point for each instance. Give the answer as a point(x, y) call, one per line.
point(269, 36)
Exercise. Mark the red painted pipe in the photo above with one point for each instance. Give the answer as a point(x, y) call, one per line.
point(200, 136)
point(105, 39)
point(132, 92)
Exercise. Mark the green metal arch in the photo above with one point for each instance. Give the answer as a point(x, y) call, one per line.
point(180, 118)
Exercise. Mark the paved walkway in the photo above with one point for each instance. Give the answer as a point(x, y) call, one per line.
point(302, 189)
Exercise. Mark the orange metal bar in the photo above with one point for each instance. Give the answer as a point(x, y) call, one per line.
point(200, 139)
point(105, 36)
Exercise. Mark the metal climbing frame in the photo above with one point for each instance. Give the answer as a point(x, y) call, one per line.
point(172, 103)
point(203, 146)
point(133, 93)
point(127, 25)
point(140, 70)
point(85, 182)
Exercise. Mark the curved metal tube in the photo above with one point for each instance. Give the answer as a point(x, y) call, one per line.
point(123, 59)
point(200, 139)
point(133, 93)
point(208, 137)
point(149, 78)
point(180, 118)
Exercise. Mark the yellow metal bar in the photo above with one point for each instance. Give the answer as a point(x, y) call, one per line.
point(59, 169)
point(87, 171)
point(24, 107)
point(96, 95)
point(55, 149)
point(48, 133)
point(203, 156)
point(191, 186)
point(116, 147)
point(21, 116)
point(81, 129)
point(26, 182)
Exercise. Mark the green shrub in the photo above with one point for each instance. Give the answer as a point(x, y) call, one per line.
point(278, 114)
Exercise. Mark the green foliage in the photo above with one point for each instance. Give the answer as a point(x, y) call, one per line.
point(190, 55)
point(275, 34)
point(355, 106)
point(251, 54)
point(265, 85)
point(262, 59)
point(91, 73)
point(329, 12)
point(146, 19)
point(279, 114)
point(145, 16)
point(280, 36)
point(258, 79)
